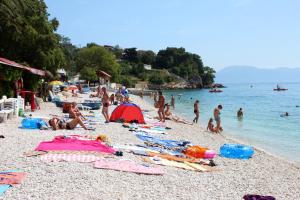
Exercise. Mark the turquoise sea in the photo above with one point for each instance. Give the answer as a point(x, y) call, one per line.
point(262, 125)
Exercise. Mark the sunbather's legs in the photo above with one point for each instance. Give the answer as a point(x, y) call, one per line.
point(74, 122)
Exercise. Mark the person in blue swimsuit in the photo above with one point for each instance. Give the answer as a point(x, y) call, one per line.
point(217, 113)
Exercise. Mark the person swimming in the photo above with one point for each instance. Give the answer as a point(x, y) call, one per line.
point(286, 114)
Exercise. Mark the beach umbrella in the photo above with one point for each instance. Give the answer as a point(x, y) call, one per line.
point(56, 83)
point(72, 87)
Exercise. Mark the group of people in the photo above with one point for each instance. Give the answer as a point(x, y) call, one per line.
point(77, 118)
point(164, 113)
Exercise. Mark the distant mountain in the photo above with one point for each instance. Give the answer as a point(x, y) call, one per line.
point(249, 74)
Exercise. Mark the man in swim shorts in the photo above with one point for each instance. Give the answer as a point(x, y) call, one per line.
point(217, 113)
point(161, 105)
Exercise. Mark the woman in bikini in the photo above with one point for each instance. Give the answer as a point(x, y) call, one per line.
point(105, 103)
point(196, 111)
point(74, 111)
point(57, 124)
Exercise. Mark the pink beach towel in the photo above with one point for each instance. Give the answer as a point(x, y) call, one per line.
point(69, 158)
point(73, 144)
point(127, 166)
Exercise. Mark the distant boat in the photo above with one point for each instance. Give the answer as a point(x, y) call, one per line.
point(215, 91)
point(280, 89)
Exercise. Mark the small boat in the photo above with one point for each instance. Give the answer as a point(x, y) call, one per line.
point(280, 89)
point(215, 91)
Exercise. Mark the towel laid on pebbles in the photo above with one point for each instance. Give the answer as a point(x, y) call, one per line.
point(69, 158)
point(9, 179)
point(73, 144)
point(127, 166)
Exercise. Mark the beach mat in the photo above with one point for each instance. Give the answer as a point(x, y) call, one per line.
point(3, 189)
point(11, 178)
point(73, 144)
point(127, 166)
point(184, 165)
point(69, 158)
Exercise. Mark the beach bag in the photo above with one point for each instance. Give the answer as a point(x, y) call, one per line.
point(195, 151)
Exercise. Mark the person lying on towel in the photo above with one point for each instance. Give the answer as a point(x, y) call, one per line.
point(57, 124)
point(74, 111)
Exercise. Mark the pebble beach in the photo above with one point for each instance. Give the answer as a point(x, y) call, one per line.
point(262, 174)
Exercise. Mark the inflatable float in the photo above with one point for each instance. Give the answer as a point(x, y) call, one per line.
point(236, 151)
point(199, 152)
point(215, 91)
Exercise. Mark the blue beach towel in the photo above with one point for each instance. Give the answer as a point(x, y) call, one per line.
point(4, 188)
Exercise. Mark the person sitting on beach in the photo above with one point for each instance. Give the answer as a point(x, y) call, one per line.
point(240, 113)
point(196, 111)
point(74, 111)
point(160, 105)
point(57, 124)
point(210, 125)
point(217, 113)
point(170, 116)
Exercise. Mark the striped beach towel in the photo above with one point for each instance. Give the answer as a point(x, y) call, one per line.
point(69, 158)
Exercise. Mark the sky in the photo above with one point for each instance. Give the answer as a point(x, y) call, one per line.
point(261, 33)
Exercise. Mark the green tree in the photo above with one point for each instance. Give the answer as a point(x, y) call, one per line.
point(27, 36)
point(89, 74)
point(156, 79)
point(98, 58)
point(208, 75)
point(130, 55)
point(146, 57)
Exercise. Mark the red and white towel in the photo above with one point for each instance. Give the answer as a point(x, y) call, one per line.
point(69, 158)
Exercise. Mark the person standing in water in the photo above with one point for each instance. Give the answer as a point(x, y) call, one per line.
point(196, 111)
point(105, 104)
point(161, 106)
point(172, 101)
point(240, 113)
point(217, 113)
point(155, 97)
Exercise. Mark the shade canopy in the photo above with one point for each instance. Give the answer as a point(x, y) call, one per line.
point(39, 72)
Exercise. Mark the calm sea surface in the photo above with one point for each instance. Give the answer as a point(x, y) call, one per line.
point(262, 125)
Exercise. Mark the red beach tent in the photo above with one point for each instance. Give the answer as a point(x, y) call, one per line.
point(127, 112)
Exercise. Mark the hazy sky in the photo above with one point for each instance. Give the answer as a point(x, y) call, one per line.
point(262, 33)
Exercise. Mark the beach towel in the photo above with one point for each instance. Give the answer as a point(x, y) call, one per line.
point(132, 148)
point(165, 162)
point(4, 188)
point(11, 178)
point(74, 144)
point(175, 158)
point(168, 144)
point(69, 158)
point(257, 197)
point(127, 166)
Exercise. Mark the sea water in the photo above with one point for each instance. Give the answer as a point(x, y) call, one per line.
point(262, 125)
